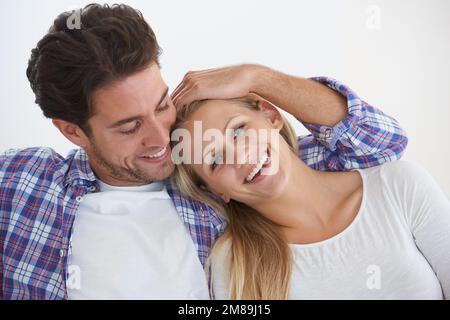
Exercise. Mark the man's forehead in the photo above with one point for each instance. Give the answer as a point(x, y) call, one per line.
point(129, 96)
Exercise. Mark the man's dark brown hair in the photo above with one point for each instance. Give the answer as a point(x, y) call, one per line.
point(71, 61)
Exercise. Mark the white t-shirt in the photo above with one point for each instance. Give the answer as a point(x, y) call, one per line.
point(130, 243)
point(397, 247)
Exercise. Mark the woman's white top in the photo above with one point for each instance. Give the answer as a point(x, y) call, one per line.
point(397, 247)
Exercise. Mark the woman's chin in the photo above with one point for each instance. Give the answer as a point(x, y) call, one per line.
point(268, 186)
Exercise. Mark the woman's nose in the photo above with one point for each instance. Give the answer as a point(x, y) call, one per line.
point(244, 156)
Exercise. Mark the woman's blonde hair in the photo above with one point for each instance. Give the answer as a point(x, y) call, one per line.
point(260, 259)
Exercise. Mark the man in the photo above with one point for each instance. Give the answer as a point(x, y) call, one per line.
point(105, 222)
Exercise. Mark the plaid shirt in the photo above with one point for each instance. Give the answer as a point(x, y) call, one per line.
point(40, 192)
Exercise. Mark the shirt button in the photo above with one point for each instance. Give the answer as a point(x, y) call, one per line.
point(91, 188)
point(79, 198)
point(61, 253)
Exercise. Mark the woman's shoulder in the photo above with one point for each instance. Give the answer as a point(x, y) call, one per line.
point(219, 261)
point(396, 173)
point(399, 181)
point(220, 252)
point(219, 256)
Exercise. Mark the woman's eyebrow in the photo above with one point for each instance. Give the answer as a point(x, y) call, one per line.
point(230, 121)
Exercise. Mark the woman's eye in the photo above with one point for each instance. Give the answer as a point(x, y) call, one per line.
point(238, 131)
point(216, 162)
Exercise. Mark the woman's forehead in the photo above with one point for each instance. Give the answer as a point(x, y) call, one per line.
point(216, 113)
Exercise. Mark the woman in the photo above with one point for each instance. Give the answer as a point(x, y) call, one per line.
point(298, 233)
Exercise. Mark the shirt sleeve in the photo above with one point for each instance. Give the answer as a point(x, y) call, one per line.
point(427, 213)
point(365, 138)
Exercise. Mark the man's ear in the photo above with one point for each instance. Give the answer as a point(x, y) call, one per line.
point(271, 113)
point(72, 132)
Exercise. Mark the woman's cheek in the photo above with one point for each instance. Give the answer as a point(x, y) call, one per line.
point(228, 180)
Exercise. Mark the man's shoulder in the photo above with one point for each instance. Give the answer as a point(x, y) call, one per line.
point(22, 157)
point(34, 159)
point(29, 152)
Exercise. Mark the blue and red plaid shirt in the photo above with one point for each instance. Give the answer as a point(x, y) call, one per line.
point(40, 192)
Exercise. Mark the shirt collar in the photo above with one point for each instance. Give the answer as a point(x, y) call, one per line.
point(79, 171)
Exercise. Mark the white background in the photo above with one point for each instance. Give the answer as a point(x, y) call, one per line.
point(397, 60)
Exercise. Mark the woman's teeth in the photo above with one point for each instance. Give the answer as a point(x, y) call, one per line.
point(258, 167)
point(158, 154)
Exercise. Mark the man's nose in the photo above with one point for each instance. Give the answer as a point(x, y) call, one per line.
point(156, 135)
